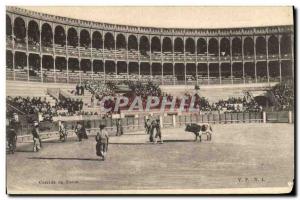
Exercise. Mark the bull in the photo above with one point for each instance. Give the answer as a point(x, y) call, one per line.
point(199, 130)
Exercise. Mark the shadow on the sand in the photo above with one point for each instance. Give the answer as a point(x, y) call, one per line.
point(148, 143)
point(49, 158)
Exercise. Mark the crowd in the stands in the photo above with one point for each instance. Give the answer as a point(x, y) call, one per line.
point(284, 96)
point(38, 105)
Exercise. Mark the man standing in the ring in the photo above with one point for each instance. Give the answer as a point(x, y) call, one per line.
point(102, 142)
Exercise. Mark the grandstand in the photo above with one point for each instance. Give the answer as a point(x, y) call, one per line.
point(47, 48)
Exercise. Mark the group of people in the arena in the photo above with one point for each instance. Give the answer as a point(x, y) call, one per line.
point(153, 129)
point(79, 89)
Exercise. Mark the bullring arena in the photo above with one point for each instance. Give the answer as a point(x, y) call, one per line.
point(236, 152)
point(59, 71)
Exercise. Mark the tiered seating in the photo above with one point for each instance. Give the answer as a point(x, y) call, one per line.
point(133, 54)
point(121, 53)
point(156, 55)
point(60, 49)
point(24, 89)
point(97, 52)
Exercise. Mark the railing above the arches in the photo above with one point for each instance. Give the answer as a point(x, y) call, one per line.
point(134, 55)
point(149, 30)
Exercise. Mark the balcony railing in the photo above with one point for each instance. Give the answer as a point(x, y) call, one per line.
point(9, 44)
point(178, 57)
point(20, 46)
point(225, 58)
point(133, 55)
point(237, 57)
point(261, 57)
point(248, 57)
point(34, 47)
point(121, 54)
point(84, 52)
point(47, 49)
point(60, 50)
point(72, 51)
point(156, 56)
point(273, 56)
point(145, 56)
point(212, 58)
point(108, 54)
point(286, 56)
point(96, 53)
point(190, 57)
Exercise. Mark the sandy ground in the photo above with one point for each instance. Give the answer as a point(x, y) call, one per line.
point(239, 156)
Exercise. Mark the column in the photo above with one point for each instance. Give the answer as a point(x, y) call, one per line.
point(184, 60)
point(139, 58)
point(92, 59)
point(150, 38)
point(162, 67)
point(115, 51)
point(27, 52)
point(103, 59)
point(53, 49)
point(196, 59)
point(207, 40)
point(41, 55)
point(264, 117)
point(219, 49)
point(14, 75)
point(279, 57)
point(254, 40)
point(127, 62)
point(292, 51)
point(267, 51)
point(243, 64)
point(174, 120)
point(173, 61)
point(13, 46)
point(230, 48)
point(79, 58)
point(67, 57)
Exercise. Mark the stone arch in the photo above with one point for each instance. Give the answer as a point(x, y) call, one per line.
point(72, 37)
point(33, 32)
point(59, 36)
point(47, 35)
point(19, 29)
point(248, 46)
point(109, 42)
point(190, 45)
point(167, 45)
point(121, 41)
point(132, 42)
point(178, 45)
point(213, 47)
point(155, 44)
point(85, 38)
point(97, 40)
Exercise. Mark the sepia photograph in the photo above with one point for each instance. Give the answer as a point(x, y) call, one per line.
point(150, 100)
